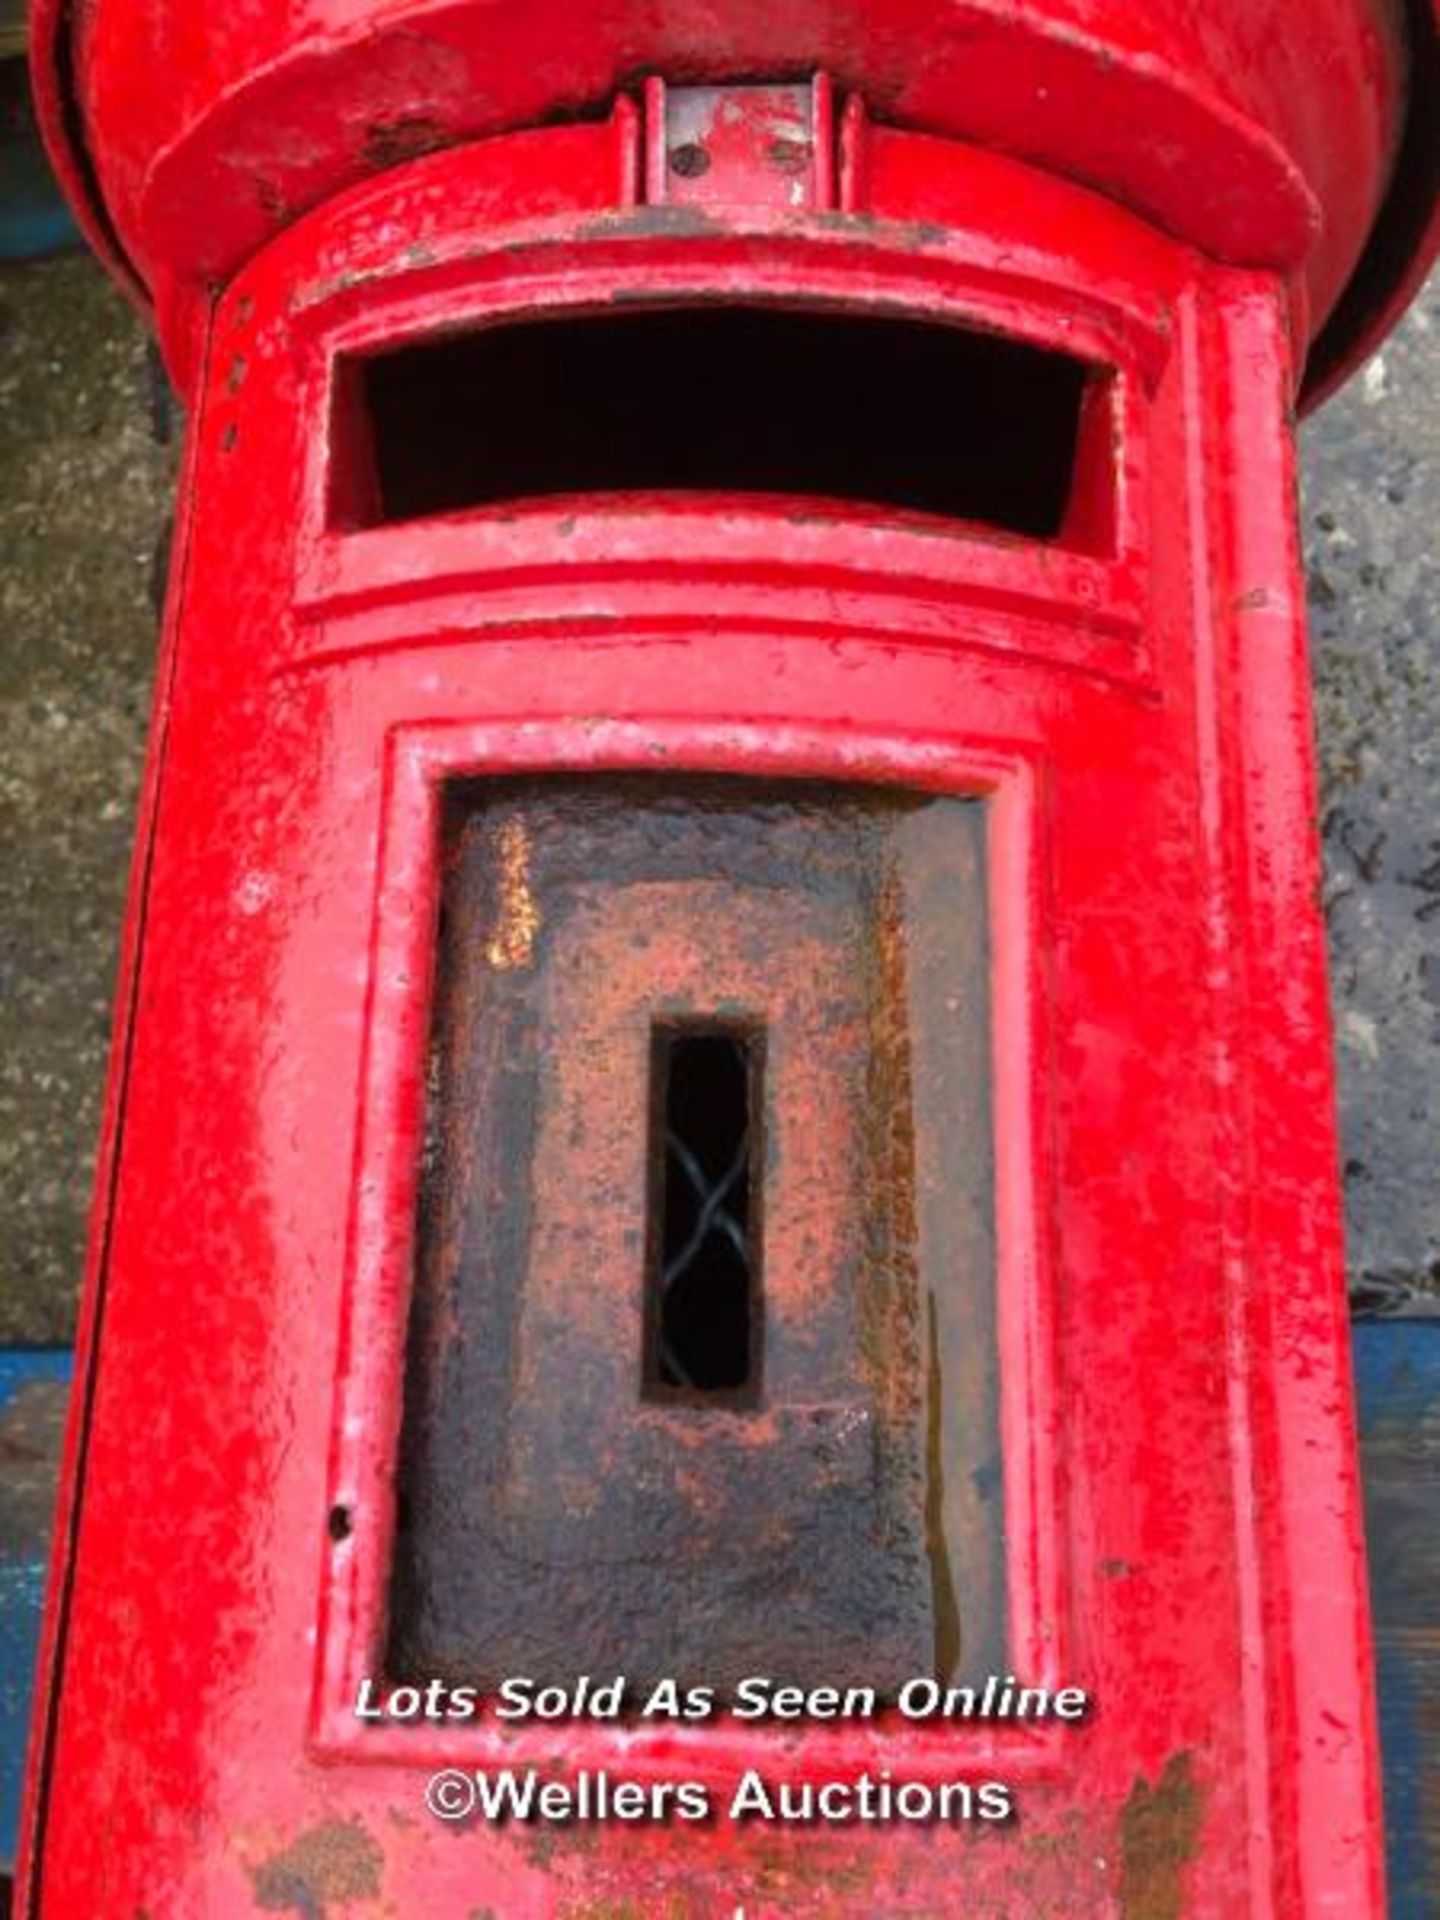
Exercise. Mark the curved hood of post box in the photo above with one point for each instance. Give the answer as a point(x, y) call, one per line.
point(1267, 133)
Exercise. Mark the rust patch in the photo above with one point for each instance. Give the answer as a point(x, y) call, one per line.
point(513, 942)
point(650, 223)
point(789, 156)
point(338, 1862)
point(1158, 1831)
point(942, 1575)
point(389, 143)
point(601, 1908)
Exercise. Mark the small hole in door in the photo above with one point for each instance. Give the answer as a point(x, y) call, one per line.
point(702, 1320)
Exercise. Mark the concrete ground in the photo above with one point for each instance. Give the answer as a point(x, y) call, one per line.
point(87, 454)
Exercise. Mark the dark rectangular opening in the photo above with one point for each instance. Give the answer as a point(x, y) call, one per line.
point(835, 405)
point(702, 1307)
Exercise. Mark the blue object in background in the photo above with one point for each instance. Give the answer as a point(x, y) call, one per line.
point(34, 218)
point(34, 1386)
point(1397, 1384)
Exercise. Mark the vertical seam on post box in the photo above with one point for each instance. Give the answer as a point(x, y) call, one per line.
point(410, 825)
point(1312, 1544)
point(1197, 360)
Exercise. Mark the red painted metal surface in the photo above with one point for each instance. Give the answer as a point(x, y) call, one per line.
point(1129, 702)
point(1263, 131)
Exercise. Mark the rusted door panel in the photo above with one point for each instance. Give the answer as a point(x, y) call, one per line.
point(838, 1516)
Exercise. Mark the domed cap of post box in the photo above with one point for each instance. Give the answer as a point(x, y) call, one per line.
point(1298, 135)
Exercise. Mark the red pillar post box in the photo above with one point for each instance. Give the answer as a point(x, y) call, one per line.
point(722, 1072)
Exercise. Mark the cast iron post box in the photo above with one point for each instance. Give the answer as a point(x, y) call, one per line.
point(722, 1069)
